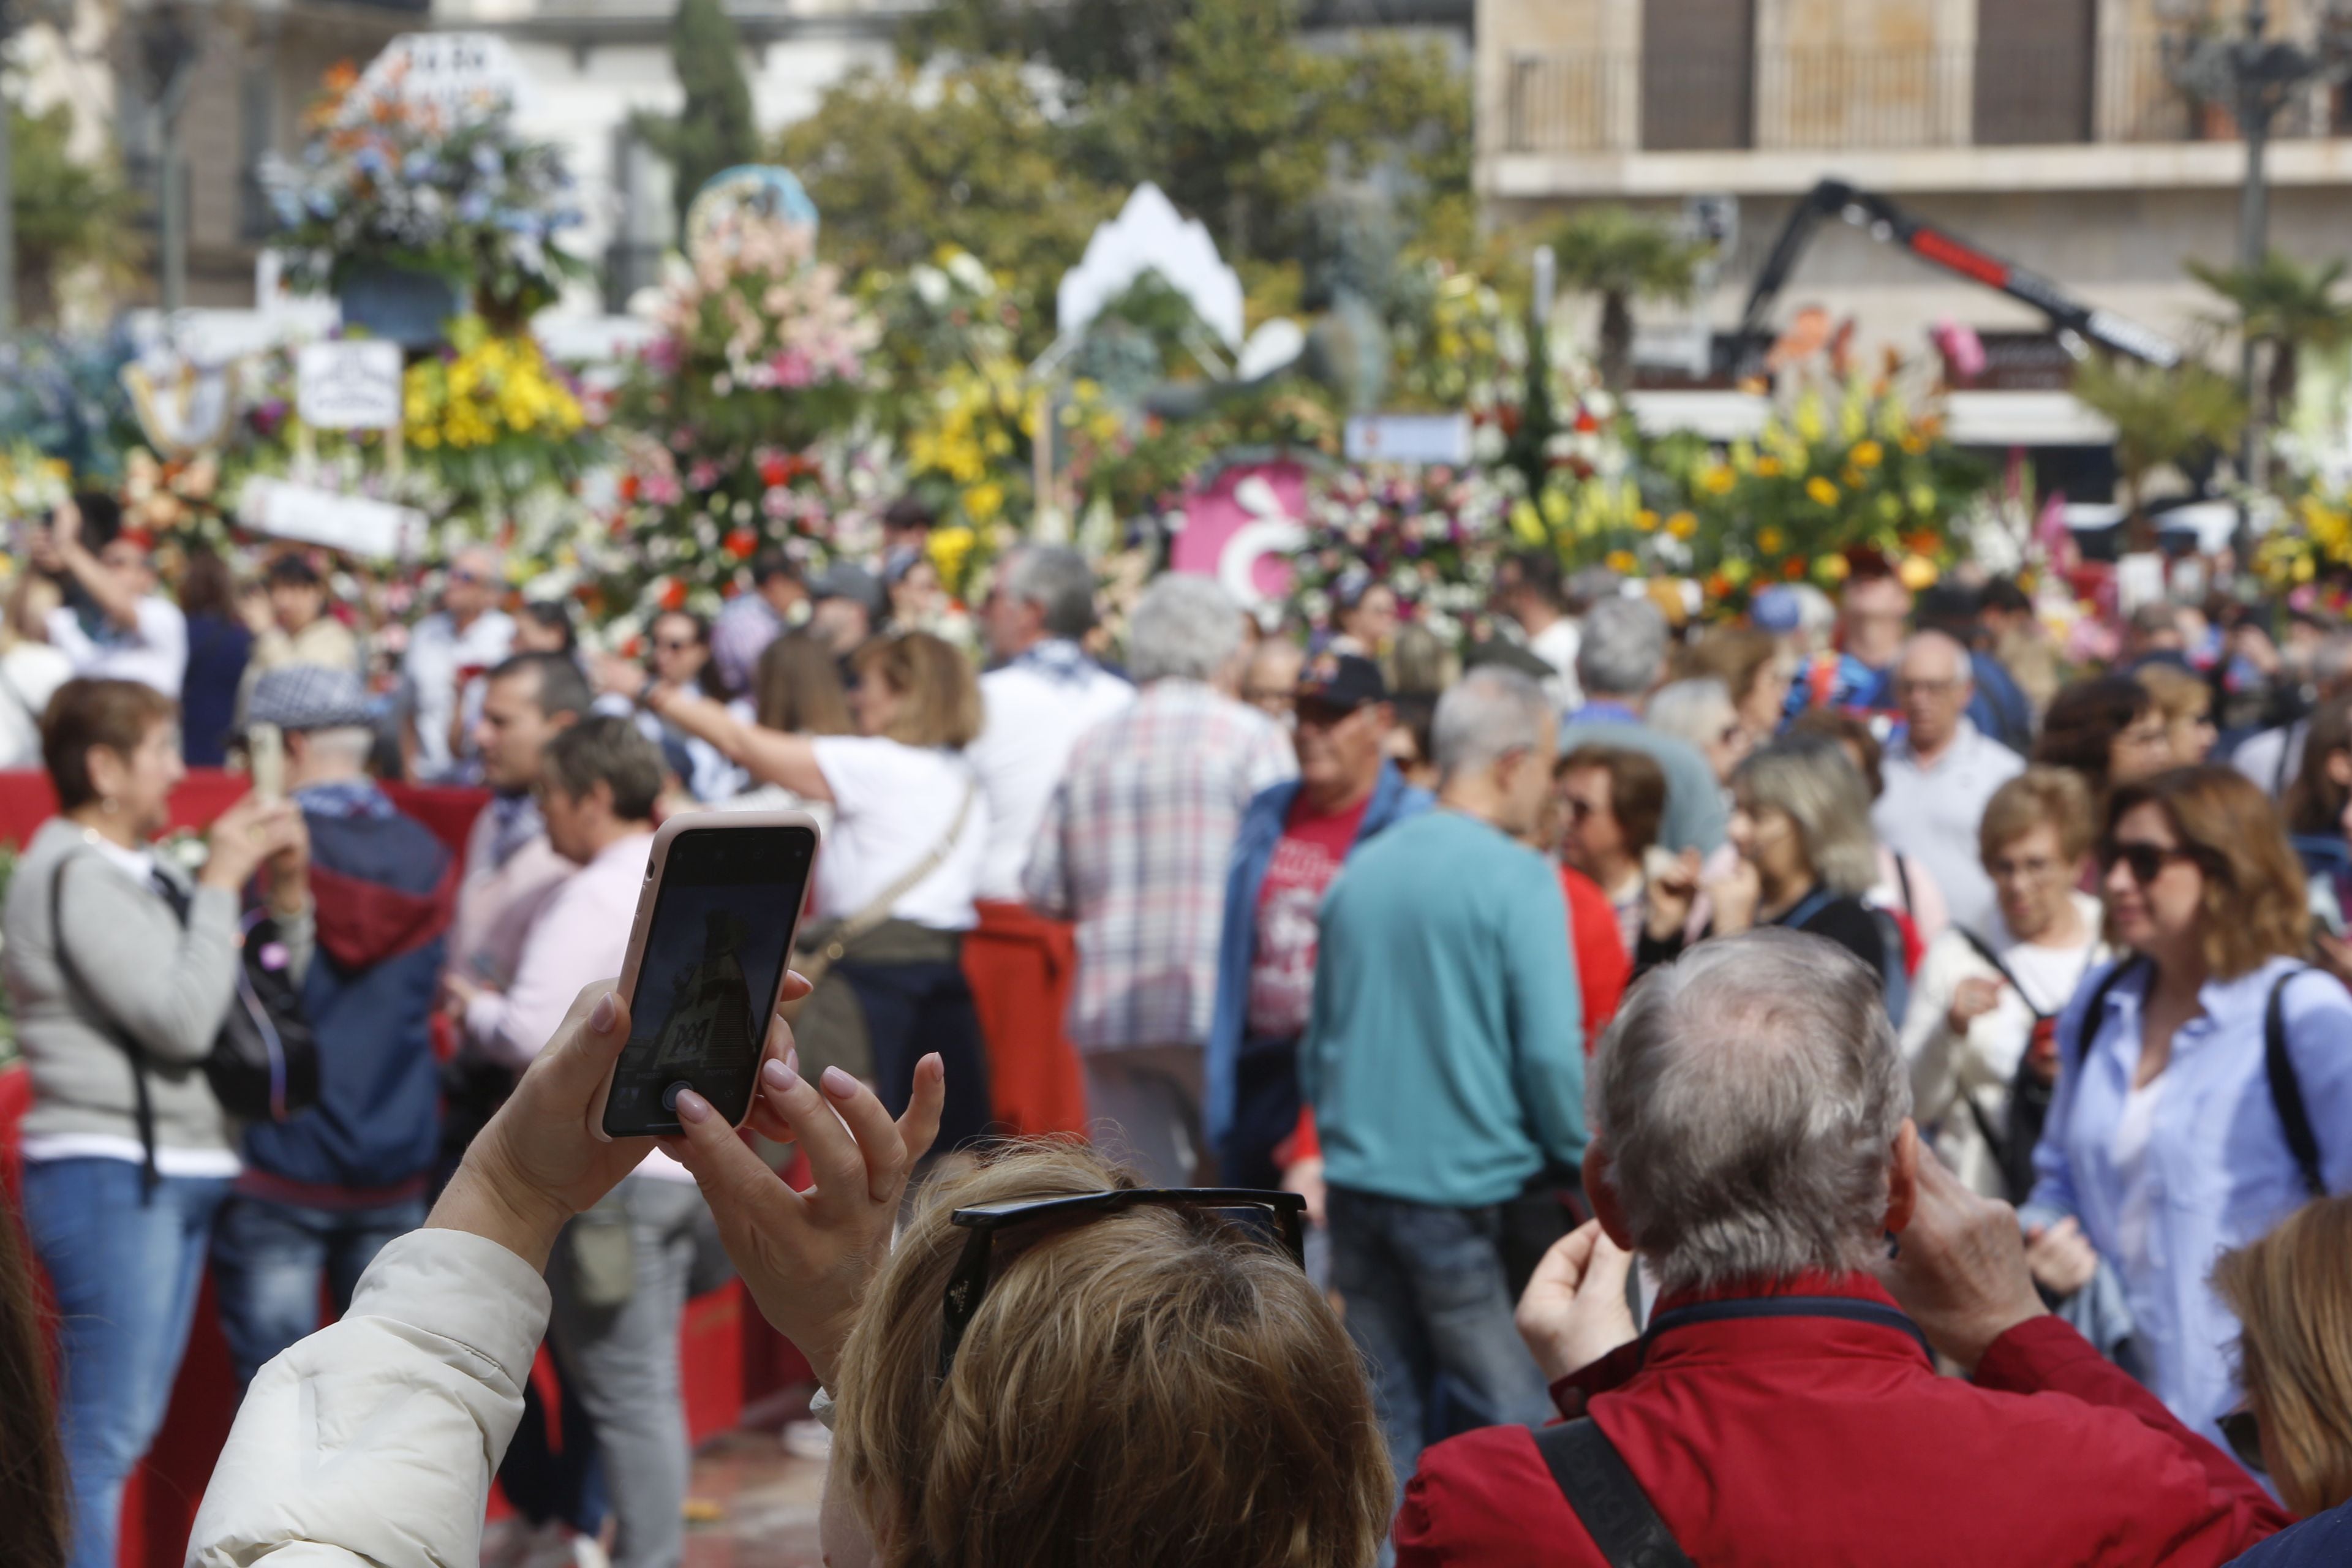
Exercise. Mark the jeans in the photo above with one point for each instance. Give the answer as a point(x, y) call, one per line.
point(621, 1361)
point(126, 1267)
point(1265, 1112)
point(1145, 1107)
point(271, 1257)
point(1428, 1306)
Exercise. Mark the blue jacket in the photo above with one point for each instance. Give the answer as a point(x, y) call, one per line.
point(384, 888)
point(1393, 801)
point(2322, 1541)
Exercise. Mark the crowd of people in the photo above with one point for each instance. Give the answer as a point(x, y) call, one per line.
point(1637, 1079)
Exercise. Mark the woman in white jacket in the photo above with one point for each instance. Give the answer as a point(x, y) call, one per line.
point(1980, 1032)
point(1197, 1371)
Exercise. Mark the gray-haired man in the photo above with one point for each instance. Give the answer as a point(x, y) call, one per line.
point(1623, 659)
point(1445, 1061)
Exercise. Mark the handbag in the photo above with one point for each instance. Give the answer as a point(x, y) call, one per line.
point(829, 1025)
point(264, 1063)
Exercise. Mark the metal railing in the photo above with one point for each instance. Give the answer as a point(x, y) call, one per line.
point(1588, 100)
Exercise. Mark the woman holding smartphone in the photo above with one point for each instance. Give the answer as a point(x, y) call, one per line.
point(896, 876)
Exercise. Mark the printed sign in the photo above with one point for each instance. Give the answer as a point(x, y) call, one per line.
point(1409, 439)
point(468, 71)
point(1243, 529)
point(352, 524)
point(348, 385)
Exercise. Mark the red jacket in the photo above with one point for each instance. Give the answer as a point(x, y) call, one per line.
point(1602, 965)
point(1820, 1441)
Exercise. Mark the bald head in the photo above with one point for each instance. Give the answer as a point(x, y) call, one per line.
point(1933, 683)
point(473, 584)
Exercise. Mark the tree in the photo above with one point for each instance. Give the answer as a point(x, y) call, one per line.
point(715, 130)
point(973, 159)
point(69, 214)
point(1621, 256)
point(2289, 307)
point(2160, 416)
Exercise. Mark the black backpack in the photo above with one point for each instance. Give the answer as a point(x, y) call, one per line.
point(264, 1064)
point(2029, 1097)
point(2278, 1067)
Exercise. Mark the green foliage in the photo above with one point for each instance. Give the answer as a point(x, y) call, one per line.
point(2289, 306)
point(1215, 101)
point(2160, 416)
point(68, 212)
point(716, 132)
point(1621, 256)
point(973, 161)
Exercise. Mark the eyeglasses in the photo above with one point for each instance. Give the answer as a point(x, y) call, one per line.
point(675, 645)
point(467, 575)
point(1579, 810)
point(968, 1284)
point(2147, 861)
point(2242, 1430)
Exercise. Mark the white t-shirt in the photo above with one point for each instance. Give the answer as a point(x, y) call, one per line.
point(437, 651)
point(1557, 646)
point(2135, 1219)
point(153, 652)
point(893, 803)
point(33, 671)
point(1036, 714)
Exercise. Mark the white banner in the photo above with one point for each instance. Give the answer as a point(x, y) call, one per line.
point(458, 71)
point(353, 524)
point(348, 385)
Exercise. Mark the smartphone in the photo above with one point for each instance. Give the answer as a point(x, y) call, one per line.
point(706, 964)
point(265, 751)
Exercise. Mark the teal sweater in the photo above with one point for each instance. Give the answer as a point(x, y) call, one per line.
point(1445, 1058)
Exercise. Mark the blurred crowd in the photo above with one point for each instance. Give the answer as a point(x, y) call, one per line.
point(1716, 1066)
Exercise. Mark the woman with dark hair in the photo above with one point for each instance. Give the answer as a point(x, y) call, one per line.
point(122, 968)
point(2314, 801)
point(219, 644)
point(896, 883)
point(2110, 730)
point(2172, 1135)
point(545, 626)
point(32, 1466)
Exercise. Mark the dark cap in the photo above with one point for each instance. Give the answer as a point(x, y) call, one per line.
point(294, 569)
point(844, 581)
point(1342, 680)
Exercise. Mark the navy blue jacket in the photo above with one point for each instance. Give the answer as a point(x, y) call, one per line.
point(2322, 1541)
point(1394, 800)
point(384, 890)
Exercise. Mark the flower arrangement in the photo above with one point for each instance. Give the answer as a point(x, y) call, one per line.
point(31, 486)
point(1431, 534)
point(2309, 548)
point(385, 179)
point(490, 394)
point(1456, 345)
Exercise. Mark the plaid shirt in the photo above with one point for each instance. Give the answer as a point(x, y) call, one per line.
point(1134, 848)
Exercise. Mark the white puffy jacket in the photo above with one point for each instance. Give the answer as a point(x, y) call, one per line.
point(373, 1441)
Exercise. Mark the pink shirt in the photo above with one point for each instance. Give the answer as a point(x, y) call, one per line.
point(578, 938)
point(497, 904)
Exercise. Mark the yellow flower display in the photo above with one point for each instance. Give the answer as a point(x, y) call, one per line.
point(1821, 491)
point(1771, 540)
point(491, 388)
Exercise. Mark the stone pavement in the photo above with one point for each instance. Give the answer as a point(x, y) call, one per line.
point(752, 1505)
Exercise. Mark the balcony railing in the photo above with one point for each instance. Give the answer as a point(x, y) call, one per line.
point(1590, 100)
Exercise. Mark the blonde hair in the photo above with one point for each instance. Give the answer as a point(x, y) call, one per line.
point(1143, 1390)
point(2179, 694)
point(938, 696)
point(2294, 1302)
point(2039, 796)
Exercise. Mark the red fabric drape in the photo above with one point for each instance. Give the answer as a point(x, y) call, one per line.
point(1020, 965)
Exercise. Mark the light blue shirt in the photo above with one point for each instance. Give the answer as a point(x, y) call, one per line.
point(2218, 1171)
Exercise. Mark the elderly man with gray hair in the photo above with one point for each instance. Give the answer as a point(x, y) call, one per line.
point(1133, 847)
point(1752, 1148)
point(1621, 661)
point(1445, 1061)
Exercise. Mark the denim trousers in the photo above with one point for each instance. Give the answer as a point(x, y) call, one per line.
point(621, 1361)
point(126, 1265)
point(269, 1259)
point(1430, 1308)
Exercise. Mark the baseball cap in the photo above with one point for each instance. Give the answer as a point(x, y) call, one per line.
point(1775, 609)
point(844, 581)
point(310, 697)
point(1344, 681)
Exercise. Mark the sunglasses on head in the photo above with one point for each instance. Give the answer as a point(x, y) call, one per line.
point(2242, 1430)
point(1245, 1209)
point(2145, 861)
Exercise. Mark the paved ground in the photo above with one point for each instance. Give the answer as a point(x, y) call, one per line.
point(754, 1505)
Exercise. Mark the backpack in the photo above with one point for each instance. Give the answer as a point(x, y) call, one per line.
point(1894, 970)
point(2278, 1066)
point(264, 1064)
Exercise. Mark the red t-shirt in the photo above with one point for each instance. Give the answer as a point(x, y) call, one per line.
point(1282, 966)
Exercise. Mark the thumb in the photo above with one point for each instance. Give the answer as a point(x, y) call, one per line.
point(1607, 1268)
point(581, 1055)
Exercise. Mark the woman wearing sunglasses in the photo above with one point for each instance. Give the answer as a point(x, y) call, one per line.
point(1050, 1366)
point(2195, 1071)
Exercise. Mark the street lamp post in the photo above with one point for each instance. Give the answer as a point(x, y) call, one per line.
point(168, 43)
point(2257, 76)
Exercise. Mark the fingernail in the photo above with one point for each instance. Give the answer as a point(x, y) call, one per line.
point(692, 1107)
point(601, 1020)
point(934, 1061)
point(793, 1060)
point(839, 1084)
point(779, 1075)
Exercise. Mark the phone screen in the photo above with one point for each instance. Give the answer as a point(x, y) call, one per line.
point(714, 960)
